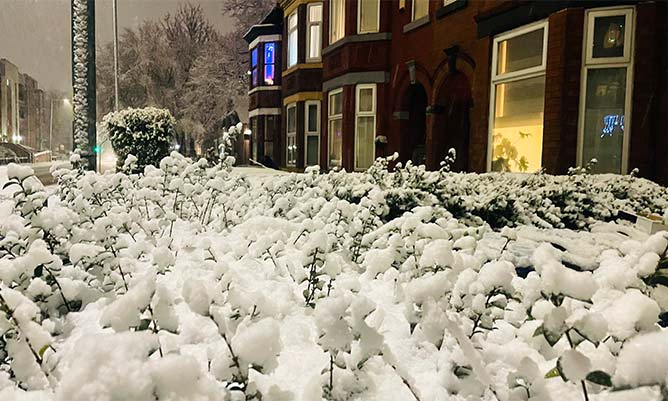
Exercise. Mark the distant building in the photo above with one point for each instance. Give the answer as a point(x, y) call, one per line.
point(510, 85)
point(9, 102)
point(30, 110)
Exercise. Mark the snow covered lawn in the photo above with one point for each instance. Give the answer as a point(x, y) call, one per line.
point(192, 282)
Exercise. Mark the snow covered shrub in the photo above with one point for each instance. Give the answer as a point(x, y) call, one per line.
point(145, 133)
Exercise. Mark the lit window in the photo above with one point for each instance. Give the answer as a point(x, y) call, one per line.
point(337, 14)
point(292, 39)
point(291, 135)
point(368, 16)
point(365, 126)
point(254, 67)
point(605, 98)
point(269, 63)
point(335, 128)
point(420, 9)
point(314, 31)
point(312, 124)
point(518, 95)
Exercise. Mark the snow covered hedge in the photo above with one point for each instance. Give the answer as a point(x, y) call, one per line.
point(189, 282)
point(144, 133)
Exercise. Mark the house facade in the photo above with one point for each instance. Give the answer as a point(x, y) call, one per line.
point(514, 86)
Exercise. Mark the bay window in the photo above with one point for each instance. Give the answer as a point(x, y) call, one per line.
point(335, 127)
point(312, 124)
point(368, 14)
point(420, 9)
point(291, 135)
point(365, 126)
point(254, 67)
point(314, 31)
point(292, 39)
point(606, 89)
point(337, 16)
point(269, 63)
point(517, 99)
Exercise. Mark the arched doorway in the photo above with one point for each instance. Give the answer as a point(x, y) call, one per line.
point(451, 129)
point(414, 137)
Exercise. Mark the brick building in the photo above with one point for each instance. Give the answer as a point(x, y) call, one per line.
point(511, 85)
point(9, 101)
point(31, 104)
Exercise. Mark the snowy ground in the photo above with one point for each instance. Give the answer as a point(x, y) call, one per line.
point(288, 292)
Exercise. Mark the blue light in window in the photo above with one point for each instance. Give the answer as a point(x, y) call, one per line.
point(610, 122)
point(254, 57)
point(269, 50)
point(269, 74)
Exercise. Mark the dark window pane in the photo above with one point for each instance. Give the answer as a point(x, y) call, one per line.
point(312, 150)
point(312, 118)
point(604, 118)
point(609, 36)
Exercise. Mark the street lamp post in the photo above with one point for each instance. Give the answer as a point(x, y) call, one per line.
point(115, 18)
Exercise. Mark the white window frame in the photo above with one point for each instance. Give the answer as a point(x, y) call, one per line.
point(308, 133)
point(413, 10)
point(343, 18)
point(289, 134)
point(309, 24)
point(590, 18)
point(590, 63)
point(296, 47)
point(359, 18)
point(527, 73)
point(332, 117)
point(359, 113)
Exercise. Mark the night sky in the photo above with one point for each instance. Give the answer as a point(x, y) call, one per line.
point(35, 34)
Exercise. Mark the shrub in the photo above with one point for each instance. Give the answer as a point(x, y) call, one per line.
point(145, 133)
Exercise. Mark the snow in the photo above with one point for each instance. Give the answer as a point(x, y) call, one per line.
point(202, 294)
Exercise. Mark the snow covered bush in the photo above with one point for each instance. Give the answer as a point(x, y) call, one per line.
point(144, 133)
point(189, 281)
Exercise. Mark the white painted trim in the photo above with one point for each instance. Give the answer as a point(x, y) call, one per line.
point(289, 134)
point(264, 39)
point(332, 117)
point(628, 100)
point(590, 19)
point(270, 111)
point(308, 133)
point(359, 18)
point(359, 113)
point(513, 34)
point(294, 14)
point(510, 77)
point(343, 17)
point(309, 23)
point(264, 88)
point(413, 11)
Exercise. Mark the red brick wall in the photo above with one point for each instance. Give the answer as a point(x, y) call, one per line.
point(562, 90)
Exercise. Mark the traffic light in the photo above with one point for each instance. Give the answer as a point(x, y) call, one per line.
point(97, 149)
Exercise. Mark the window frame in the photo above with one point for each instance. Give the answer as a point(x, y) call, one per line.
point(294, 15)
point(448, 2)
point(413, 3)
point(358, 113)
point(289, 135)
point(513, 34)
point(309, 24)
point(589, 63)
point(315, 133)
point(255, 70)
point(330, 118)
point(526, 73)
point(343, 19)
point(359, 18)
point(590, 20)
